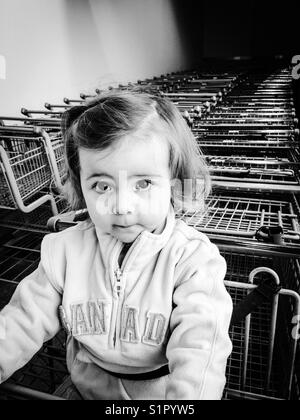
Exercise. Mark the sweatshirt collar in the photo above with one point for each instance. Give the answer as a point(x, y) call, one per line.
point(145, 246)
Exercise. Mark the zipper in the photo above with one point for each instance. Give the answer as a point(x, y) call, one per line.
point(117, 290)
point(118, 286)
point(118, 283)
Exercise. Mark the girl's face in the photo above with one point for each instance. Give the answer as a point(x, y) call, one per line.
point(127, 187)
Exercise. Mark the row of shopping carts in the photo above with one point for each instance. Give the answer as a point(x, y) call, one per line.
point(251, 141)
point(245, 123)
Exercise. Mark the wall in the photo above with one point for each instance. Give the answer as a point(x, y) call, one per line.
point(250, 28)
point(60, 48)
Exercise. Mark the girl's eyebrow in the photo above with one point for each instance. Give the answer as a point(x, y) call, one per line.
point(146, 176)
point(98, 175)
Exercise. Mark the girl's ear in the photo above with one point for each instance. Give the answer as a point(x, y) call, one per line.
point(70, 116)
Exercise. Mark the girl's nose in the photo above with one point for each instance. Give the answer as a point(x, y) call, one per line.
point(124, 203)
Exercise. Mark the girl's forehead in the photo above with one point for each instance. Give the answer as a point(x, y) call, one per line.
point(136, 155)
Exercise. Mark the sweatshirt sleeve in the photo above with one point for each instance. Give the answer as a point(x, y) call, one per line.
point(30, 318)
point(199, 344)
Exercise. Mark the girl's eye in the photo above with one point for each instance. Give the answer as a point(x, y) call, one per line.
point(143, 185)
point(101, 187)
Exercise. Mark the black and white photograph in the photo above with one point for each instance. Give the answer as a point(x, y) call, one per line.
point(149, 203)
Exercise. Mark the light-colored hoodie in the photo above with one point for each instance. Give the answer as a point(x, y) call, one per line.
point(167, 303)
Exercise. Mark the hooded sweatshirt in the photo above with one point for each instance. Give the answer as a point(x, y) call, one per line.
point(166, 304)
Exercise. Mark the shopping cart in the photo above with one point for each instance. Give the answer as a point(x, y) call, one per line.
point(242, 139)
point(279, 131)
point(257, 169)
point(42, 113)
point(262, 364)
point(265, 346)
point(35, 221)
point(259, 236)
point(19, 259)
point(245, 215)
point(39, 378)
point(20, 256)
point(51, 107)
point(47, 124)
point(25, 169)
point(264, 350)
point(69, 101)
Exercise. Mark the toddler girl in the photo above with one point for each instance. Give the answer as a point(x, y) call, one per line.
point(140, 293)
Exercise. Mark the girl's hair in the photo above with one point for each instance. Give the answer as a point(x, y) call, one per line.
point(108, 117)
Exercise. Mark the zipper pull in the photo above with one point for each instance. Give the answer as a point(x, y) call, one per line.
point(118, 284)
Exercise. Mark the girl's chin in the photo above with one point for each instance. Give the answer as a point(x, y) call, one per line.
point(126, 238)
point(126, 234)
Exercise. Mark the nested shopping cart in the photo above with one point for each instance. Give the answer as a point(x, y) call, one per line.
point(264, 285)
point(41, 113)
point(273, 167)
point(20, 256)
point(262, 364)
point(249, 215)
point(50, 130)
point(39, 379)
point(240, 140)
point(249, 130)
point(28, 166)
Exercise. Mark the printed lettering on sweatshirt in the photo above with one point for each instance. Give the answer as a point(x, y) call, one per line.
point(92, 318)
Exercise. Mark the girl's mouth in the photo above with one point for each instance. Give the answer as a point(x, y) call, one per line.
point(123, 226)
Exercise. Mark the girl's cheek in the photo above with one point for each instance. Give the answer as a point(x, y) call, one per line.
point(102, 206)
point(156, 204)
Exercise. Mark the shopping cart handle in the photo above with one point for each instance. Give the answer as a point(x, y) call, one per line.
point(25, 112)
point(53, 222)
point(63, 221)
point(262, 294)
point(270, 234)
point(27, 393)
point(268, 289)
